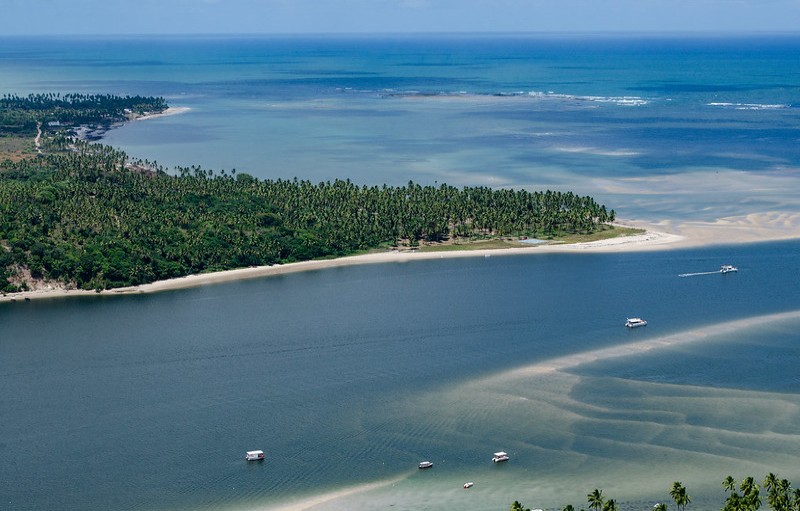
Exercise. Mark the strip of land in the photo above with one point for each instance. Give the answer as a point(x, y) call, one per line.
point(647, 241)
point(749, 229)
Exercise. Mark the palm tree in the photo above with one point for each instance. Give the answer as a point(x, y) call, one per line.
point(660, 507)
point(610, 505)
point(729, 484)
point(596, 500)
point(517, 506)
point(679, 495)
point(750, 494)
point(777, 494)
point(770, 482)
point(568, 507)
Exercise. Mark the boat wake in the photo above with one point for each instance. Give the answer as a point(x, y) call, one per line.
point(699, 273)
point(725, 268)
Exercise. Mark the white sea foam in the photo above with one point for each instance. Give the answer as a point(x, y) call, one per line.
point(596, 151)
point(541, 95)
point(617, 100)
point(748, 106)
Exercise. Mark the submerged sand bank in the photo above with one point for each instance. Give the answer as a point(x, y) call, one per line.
point(664, 236)
point(308, 503)
point(622, 350)
point(524, 395)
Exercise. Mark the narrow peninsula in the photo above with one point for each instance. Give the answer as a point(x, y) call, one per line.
point(81, 215)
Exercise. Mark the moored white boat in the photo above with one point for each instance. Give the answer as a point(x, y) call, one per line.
point(635, 322)
point(500, 456)
point(254, 455)
point(425, 464)
point(468, 485)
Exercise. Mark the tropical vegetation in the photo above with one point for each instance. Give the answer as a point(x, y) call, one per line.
point(746, 496)
point(86, 215)
point(53, 111)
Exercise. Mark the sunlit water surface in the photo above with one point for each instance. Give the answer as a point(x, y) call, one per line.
point(351, 376)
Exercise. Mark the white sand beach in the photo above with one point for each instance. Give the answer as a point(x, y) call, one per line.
point(173, 110)
point(662, 236)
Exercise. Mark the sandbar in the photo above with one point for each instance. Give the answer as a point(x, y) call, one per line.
point(544, 368)
point(622, 350)
point(307, 503)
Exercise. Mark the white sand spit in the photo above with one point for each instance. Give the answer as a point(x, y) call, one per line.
point(310, 503)
point(621, 350)
point(173, 110)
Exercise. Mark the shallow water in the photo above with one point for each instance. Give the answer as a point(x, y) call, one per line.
point(353, 375)
point(656, 128)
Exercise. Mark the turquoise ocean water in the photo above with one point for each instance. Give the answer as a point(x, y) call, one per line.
point(669, 127)
point(352, 376)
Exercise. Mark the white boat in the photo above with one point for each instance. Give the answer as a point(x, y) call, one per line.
point(500, 456)
point(425, 464)
point(727, 268)
point(634, 322)
point(254, 455)
point(468, 485)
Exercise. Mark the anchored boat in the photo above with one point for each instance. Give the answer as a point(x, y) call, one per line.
point(635, 322)
point(500, 456)
point(254, 455)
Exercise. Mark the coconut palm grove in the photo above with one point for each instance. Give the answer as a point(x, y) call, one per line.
point(87, 216)
point(744, 496)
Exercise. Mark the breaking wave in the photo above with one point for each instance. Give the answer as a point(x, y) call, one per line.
point(748, 106)
point(541, 95)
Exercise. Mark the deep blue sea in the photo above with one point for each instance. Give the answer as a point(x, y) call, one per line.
point(347, 378)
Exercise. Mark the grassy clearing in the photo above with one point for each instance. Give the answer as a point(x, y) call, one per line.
point(492, 244)
point(16, 148)
point(604, 233)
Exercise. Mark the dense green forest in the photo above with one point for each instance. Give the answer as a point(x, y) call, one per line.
point(746, 496)
point(92, 218)
point(22, 115)
point(86, 215)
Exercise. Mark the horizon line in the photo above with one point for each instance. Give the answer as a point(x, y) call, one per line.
point(715, 33)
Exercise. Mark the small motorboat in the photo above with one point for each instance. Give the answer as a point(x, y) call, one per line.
point(425, 464)
point(500, 456)
point(468, 485)
point(635, 322)
point(254, 455)
point(728, 268)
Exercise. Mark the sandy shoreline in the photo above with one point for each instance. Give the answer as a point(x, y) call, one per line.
point(745, 231)
point(663, 235)
point(172, 110)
